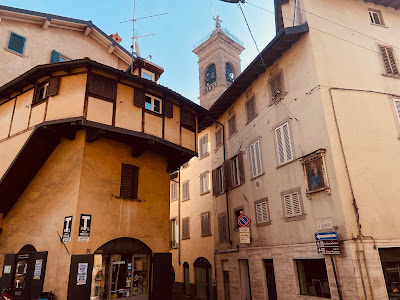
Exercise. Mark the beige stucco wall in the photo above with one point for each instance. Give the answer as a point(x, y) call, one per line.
point(5, 118)
point(40, 43)
point(22, 112)
point(127, 115)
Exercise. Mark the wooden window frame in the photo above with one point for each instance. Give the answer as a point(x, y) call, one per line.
point(372, 11)
point(253, 175)
point(176, 230)
point(175, 185)
point(219, 137)
point(50, 89)
point(263, 223)
point(205, 154)
point(290, 192)
point(205, 174)
point(152, 100)
point(151, 74)
point(249, 119)
point(232, 129)
point(186, 237)
point(209, 224)
point(277, 155)
point(218, 181)
point(394, 66)
point(188, 191)
point(239, 169)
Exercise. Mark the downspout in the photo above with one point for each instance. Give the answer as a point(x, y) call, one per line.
point(226, 192)
point(179, 214)
point(360, 236)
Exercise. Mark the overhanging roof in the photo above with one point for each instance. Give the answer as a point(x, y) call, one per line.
point(45, 138)
point(282, 42)
point(30, 77)
point(388, 3)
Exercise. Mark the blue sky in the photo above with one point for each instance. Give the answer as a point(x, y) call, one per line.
point(187, 22)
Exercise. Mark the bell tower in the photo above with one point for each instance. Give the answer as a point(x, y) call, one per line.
point(219, 63)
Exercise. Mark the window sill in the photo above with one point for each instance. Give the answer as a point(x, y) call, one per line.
point(14, 52)
point(173, 200)
point(154, 113)
point(298, 218)
point(127, 198)
point(236, 186)
point(232, 135)
point(249, 121)
point(383, 26)
point(217, 148)
point(184, 200)
point(204, 155)
point(174, 248)
point(263, 224)
point(255, 177)
point(187, 238)
point(36, 103)
point(286, 163)
point(204, 193)
point(391, 76)
point(206, 235)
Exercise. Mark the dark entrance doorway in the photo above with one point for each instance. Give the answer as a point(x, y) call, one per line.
point(227, 288)
point(270, 278)
point(203, 279)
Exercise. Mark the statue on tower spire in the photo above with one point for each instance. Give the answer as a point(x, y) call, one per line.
point(218, 21)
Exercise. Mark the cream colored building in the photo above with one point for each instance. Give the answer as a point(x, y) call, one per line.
point(311, 147)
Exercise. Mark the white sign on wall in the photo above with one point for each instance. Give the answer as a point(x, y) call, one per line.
point(82, 273)
point(84, 228)
point(244, 235)
point(324, 224)
point(66, 237)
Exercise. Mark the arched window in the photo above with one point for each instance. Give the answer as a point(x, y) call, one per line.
point(211, 75)
point(230, 73)
point(186, 279)
point(203, 278)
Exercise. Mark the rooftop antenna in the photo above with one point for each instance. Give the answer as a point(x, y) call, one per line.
point(135, 46)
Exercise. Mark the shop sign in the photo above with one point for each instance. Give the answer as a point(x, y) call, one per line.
point(38, 269)
point(66, 237)
point(84, 228)
point(82, 273)
point(244, 235)
point(327, 242)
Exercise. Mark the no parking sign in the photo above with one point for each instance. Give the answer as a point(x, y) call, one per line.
point(243, 221)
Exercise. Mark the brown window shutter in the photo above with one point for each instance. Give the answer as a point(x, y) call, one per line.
point(139, 97)
point(168, 109)
point(222, 228)
point(227, 174)
point(185, 229)
point(52, 89)
point(214, 182)
point(205, 224)
point(102, 86)
point(193, 121)
point(110, 88)
point(186, 118)
point(135, 182)
point(129, 181)
point(241, 167)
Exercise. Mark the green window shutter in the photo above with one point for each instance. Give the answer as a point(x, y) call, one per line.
point(16, 43)
point(55, 57)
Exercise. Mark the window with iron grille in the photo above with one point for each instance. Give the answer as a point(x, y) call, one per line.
point(262, 212)
point(205, 182)
point(16, 43)
point(185, 229)
point(389, 61)
point(185, 190)
point(375, 16)
point(283, 143)
point(222, 228)
point(292, 204)
point(396, 103)
point(251, 111)
point(205, 224)
point(232, 125)
point(276, 87)
point(203, 145)
point(255, 158)
point(218, 137)
point(174, 190)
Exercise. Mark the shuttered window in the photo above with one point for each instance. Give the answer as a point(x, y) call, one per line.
point(237, 170)
point(255, 158)
point(188, 119)
point(262, 213)
point(251, 111)
point(276, 87)
point(292, 204)
point(185, 190)
point(205, 224)
point(47, 89)
point(376, 16)
point(397, 107)
point(185, 229)
point(129, 181)
point(223, 228)
point(203, 145)
point(389, 60)
point(174, 195)
point(16, 43)
point(218, 181)
point(283, 143)
point(102, 86)
point(218, 138)
point(232, 125)
point(205, 182)
point(168, 109)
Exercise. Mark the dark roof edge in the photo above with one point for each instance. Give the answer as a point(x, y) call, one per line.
point(86, 62)
point(72, 20)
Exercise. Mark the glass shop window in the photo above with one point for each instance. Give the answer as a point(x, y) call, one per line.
point(313, 278)
point(390, 259)
point(120, 276)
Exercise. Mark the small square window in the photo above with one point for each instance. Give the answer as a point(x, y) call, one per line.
point(152, 103)
point(42, 92)
point(16, 43)
point(376, 17)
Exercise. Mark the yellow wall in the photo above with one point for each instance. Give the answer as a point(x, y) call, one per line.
point(37, 114)
point(171, 132)
point(153, 125)
point(188, 139)
point(100, 111)
point(128, 115)
point(22, 112)
point(6, 112)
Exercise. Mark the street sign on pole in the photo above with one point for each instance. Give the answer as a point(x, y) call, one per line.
point(327, 242)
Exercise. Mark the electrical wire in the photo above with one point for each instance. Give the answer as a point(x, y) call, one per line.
point(327, 33)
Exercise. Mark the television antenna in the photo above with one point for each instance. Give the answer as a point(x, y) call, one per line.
point(135, 46)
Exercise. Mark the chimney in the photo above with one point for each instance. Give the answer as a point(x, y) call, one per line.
point(116, 37)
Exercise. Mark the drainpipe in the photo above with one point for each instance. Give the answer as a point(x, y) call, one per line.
point(179, 214)
point(360, 236)
point(226, 192)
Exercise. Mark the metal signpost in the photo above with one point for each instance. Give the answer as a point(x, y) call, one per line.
point(244, 230)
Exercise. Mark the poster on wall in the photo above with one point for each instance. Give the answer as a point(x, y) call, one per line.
point(84, 228)
point(82, 273)
point(38, 269)
point(66, 237)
